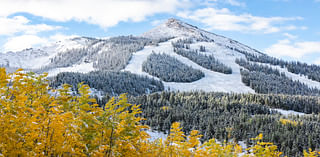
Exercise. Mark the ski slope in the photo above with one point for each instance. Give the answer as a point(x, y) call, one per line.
point(213, 81)
point(295, 77)
point(288, 112)
point(81, 68)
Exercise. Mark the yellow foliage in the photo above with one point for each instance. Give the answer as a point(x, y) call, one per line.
point(287, 121)
point(38, 121)
point(311, 153)
point(264, 149)
point(165, 108)
point(179, 145)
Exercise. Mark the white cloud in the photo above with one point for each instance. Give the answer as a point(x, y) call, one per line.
point(293, 49)
point(20, 34)
point(230, 2)
point(16, 24)
point(19, 43)
point(290, 36)
point(105, 13)
point(224, 19)
point(236, 3)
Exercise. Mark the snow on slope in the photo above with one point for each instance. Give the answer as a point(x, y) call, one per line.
point(177, 28)
point(288, 112)
point(82, 68)
point(37, 58)
point(296, 77)
point(28, 58)
point(154, 135)
point(213, 81)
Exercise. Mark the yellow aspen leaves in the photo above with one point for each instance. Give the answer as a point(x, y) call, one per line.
point(263, 149)
point(288, 122)
point(38, 121)
point(165, 108)
point(311, 153)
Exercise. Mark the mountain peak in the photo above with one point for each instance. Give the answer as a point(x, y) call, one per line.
point(177, 28)
point(172, 22)
point(172, 28)
point(178, 24)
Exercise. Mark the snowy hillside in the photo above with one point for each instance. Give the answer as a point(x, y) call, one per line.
point(301, 78)
point(129, 53)
point(177, 28)
point(36, 58)
point(213, 81)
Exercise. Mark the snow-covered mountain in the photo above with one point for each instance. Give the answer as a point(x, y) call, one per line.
point(129, 53)
point(31, 58)
point(176, 28)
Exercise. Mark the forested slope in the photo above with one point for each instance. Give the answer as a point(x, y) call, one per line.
point(266, 80)
point(170, 69)
point(237, 116)
point(112, 83)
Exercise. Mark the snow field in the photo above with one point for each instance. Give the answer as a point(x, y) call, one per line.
point(213, 81)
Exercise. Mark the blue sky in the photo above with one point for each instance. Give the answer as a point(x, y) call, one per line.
point(288, 29)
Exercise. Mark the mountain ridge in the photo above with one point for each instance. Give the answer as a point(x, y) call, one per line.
point(190, 45)
point(172, 28)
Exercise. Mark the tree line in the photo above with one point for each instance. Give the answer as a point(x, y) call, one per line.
point(206, 61)
point(105, 54)
point(311, 71)
point(170, 69)
point(266, 80)
point(110, 82)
